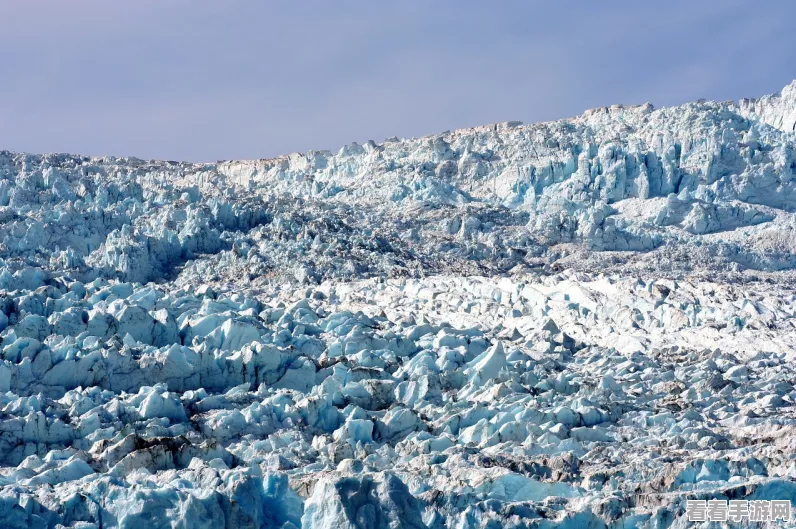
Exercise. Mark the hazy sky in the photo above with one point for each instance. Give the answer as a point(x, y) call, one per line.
point(204, 80)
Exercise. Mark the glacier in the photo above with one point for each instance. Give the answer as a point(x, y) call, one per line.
point(580, 323)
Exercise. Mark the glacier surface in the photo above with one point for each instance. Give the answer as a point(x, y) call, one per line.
point(581, 323)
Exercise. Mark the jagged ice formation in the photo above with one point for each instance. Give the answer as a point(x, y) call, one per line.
point(580, 323)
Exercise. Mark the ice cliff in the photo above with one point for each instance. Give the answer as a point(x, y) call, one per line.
point(581, 323)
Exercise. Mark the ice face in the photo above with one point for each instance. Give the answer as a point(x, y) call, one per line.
point(570, 324)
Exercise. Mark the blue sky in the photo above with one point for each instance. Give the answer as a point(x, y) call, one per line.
point(204, 80)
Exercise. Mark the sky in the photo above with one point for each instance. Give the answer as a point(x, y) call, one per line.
point(205, 80)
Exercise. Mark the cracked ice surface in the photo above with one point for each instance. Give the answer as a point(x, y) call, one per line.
point(572, 324)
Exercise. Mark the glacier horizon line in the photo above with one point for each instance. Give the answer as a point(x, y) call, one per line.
point(789, 89)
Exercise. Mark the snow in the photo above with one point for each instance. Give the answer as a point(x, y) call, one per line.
point(578, 323)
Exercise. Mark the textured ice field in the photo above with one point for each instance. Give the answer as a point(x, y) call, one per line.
point(575, 324)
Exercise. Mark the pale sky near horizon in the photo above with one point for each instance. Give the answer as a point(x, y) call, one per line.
point(203, 80)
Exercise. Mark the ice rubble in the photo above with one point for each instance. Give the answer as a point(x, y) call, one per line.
point(572, 324)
